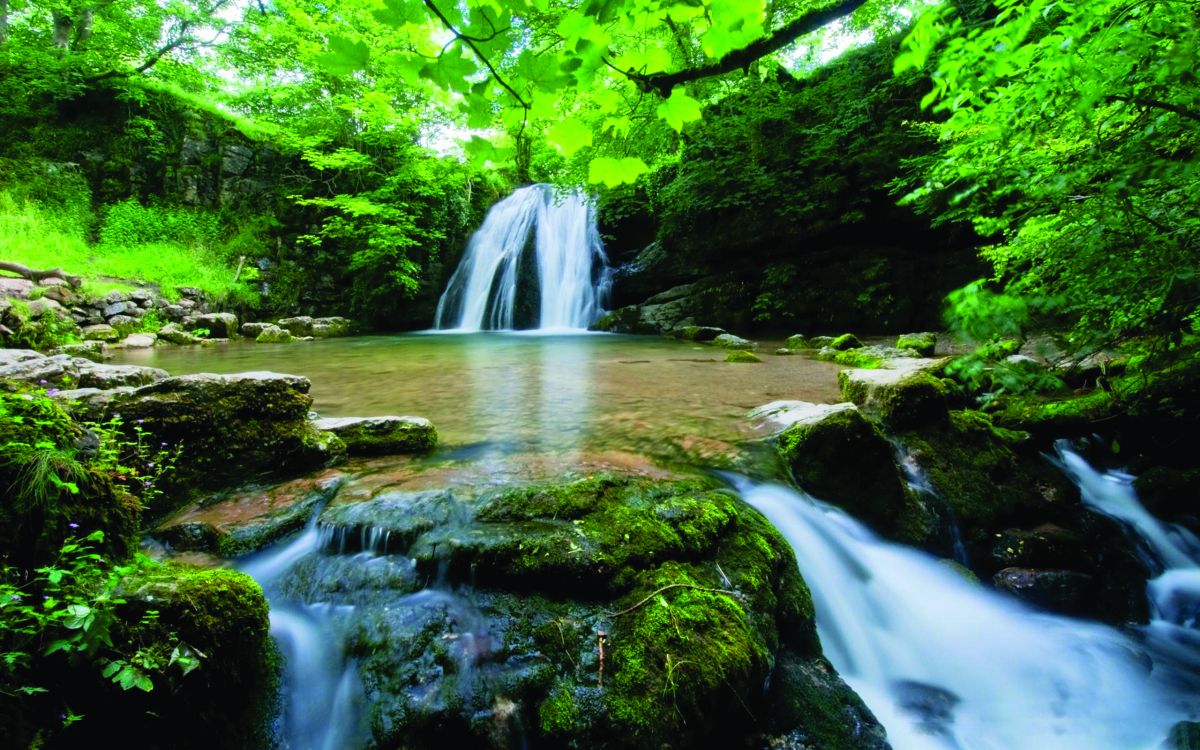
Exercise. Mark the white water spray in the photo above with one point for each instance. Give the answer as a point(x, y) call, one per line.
point(947, 664)
point(572, 270)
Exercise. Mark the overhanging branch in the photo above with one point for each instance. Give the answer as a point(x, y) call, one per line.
point(663, 83)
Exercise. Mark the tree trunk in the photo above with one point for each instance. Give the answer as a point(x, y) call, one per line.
point(63, 26)
point(32, 275)
point(83, 29)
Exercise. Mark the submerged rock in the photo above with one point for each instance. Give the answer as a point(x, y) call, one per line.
point(372, 436)
point(172, 333)
point(742, 356)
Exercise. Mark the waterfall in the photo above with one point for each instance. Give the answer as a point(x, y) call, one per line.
point(945, 663)
point(491, 288)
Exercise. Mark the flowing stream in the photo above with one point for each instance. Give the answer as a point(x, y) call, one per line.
point(491, 289)
point(946, 663)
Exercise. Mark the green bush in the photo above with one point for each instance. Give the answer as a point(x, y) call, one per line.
point(130, 223)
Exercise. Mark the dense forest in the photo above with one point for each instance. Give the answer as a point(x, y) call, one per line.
point(1020, 176)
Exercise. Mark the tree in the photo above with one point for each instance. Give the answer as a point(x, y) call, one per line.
point(1073, 140)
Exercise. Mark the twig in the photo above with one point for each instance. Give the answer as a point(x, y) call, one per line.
point(668, 587)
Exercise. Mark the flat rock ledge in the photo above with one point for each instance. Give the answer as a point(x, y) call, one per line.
point(374, 436)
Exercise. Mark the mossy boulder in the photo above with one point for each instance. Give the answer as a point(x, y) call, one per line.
point(923, 344)
point(373, 436)
point(742, 356)
point(900, 398)
point(729, 341)
point(862, 359)
point(843, 458)
point(988, 475)
point(221, 325)
point(845, 341)
point(796, 342)
point(605, 612)
point(697, 333)
point(331, 327)
point(232, 428)
point(273, 334)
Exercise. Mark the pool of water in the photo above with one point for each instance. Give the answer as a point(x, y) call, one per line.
point(554, 394)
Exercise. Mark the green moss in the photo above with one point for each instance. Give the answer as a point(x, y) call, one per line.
point(275, 336)
point(900, 402)
point(796, 341)
point(559, 713)
point(1062, 414)
point(742, 356)
point(853, 358)
point(923, 344)
point(846, 341)
point(681, 655)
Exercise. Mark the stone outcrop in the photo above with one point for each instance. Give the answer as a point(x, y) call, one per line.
point(370, 436)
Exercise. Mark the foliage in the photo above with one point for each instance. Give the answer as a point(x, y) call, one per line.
point(1072, 138)
point(129, 223)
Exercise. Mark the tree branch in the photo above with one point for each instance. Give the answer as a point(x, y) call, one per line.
point(663, 83)
point(470, 42)
point(32, 275)
point(1156, 104)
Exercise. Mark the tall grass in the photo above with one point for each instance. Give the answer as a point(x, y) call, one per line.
point(30, 235)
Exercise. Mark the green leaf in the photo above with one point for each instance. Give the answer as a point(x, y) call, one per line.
point(613, 172)
point(344, 56)
point(679, 109)
point(569, 135)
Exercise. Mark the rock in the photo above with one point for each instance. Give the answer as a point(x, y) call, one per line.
point(63, 295)
point(625, 320)
point(190, 292)
point(122, 320)
point(233, 427)
point(924, 343)
point(247, 520)
point(298, 326)
point(114, 297)
point(820, 342)
point(273, 334)
point(173, 334)
point(1064, 591)
point(174, 312)
point(778, 415)
point(697, 333)
point(740, 356)
point(141, 294)
point(841, 457)
point(366, 436)
point(62, 369)
point(218, 325)
point(93, 350)
point(1047, 546)
point(685, 591)
point(901, 398)
point(15, 356)
point(139, 340)
point(18, 288)
point(796, 342)
point(783, 352)
point(101, 332)
point(1185, 735)
point(729, 341)
point(119, 308)
point(846, 341)
point(251, 330)
point(324, 328)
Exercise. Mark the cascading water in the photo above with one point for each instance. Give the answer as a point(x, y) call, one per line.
point(944, 663)
point(486, 291)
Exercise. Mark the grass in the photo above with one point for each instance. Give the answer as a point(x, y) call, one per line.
point(29, 235)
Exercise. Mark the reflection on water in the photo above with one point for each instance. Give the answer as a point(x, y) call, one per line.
point(503, 392)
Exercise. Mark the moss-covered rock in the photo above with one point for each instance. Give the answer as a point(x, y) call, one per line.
point(861, 359)
point(273, 334)
point(232, 428)
point(845, 341)
point(923, 344)
point(606, 612)
point(373, 436)
point(729, 341)
point(901, 399)
point(843, 458)
point(796, 342)
point(742, 356)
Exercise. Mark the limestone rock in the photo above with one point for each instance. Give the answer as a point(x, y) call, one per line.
point(367, 436)
point(101, 332)
point(901, 398)
point(299, 326)
point(251, 330)
point(332, 327)
point(172, 333)
point(218, 325)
